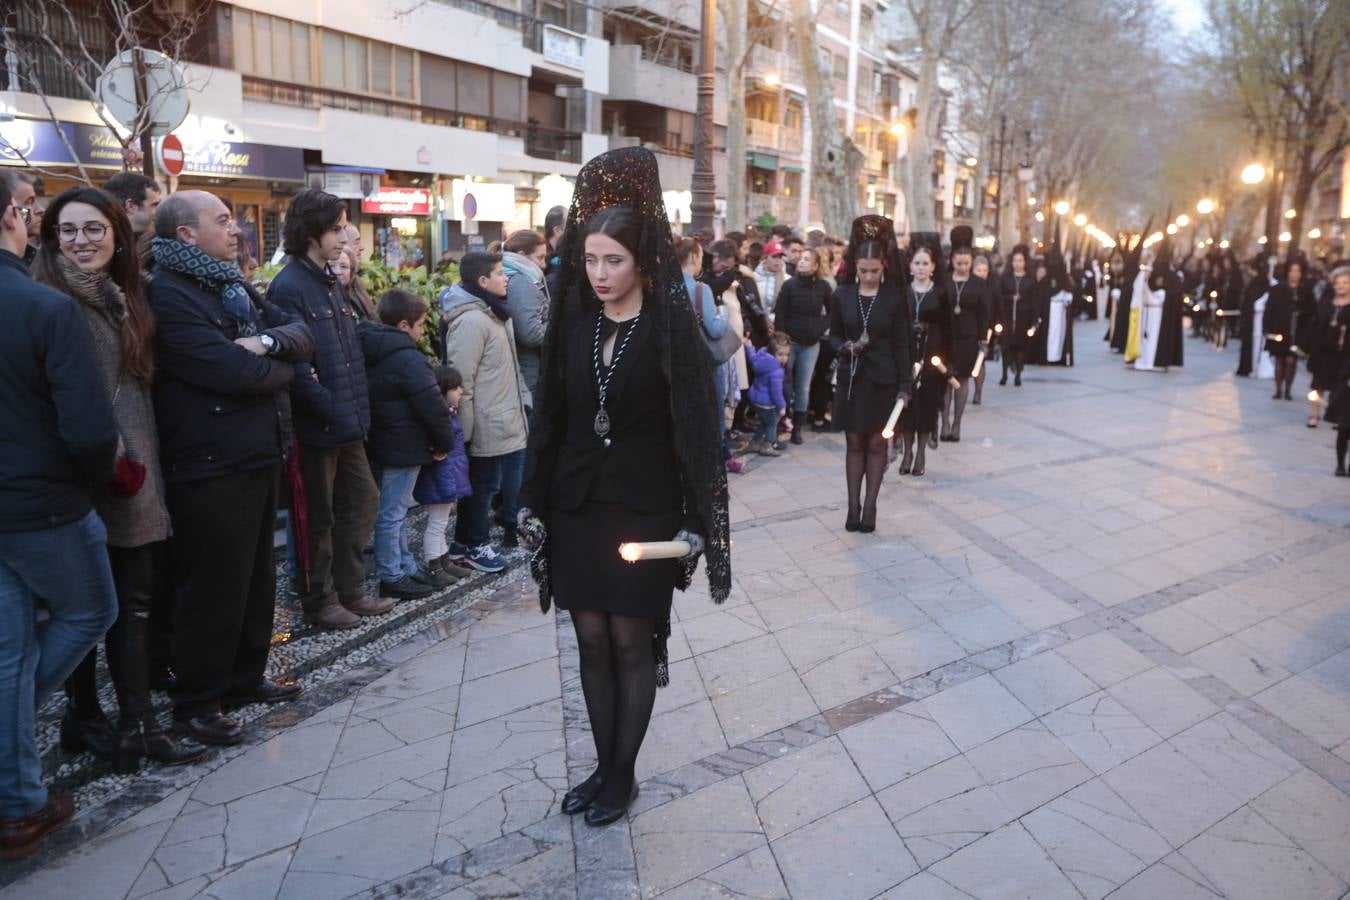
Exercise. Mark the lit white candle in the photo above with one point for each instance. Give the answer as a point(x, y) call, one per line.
point(889, 431)
point(979, 358)
point(635, 551)
point(951, 379)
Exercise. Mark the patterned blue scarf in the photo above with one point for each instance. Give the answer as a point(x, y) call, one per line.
point(221, 277)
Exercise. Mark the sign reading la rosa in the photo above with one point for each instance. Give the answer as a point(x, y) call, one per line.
point(398, 201)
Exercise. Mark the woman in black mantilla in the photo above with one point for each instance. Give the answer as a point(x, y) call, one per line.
point(623, 365)
point(930, 327)
point(869, 334)
point(1017, 312)
point(969, 294)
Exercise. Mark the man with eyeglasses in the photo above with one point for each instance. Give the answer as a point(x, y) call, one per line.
point(57, 440)
point(23, 194)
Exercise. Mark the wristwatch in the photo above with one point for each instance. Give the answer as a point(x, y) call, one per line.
point(269, 343)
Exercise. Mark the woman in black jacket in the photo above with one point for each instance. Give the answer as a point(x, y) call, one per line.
point(1286, 318)
point(623, 365)
point(869, 333)
point(931, 326)
point(970, 330)
point(803, 313)
point(1017, 312)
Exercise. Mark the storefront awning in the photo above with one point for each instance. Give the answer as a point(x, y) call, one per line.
point(798, 169)
point(763, 161)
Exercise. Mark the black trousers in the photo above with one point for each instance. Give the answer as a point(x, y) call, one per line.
point(225, 586)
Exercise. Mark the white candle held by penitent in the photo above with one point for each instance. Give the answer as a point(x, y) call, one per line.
point(951, 379)
point(633, 552)
point(889, 431)
point(979, 357)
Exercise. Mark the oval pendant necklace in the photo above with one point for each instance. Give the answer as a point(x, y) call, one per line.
point(602, 424)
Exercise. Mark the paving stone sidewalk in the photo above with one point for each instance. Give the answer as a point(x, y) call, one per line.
point(1101, 649)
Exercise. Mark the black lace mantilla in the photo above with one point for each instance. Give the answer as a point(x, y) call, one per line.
point(629, 177)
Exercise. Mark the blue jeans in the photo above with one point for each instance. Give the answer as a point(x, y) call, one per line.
point(393, 559)
point(803, 364)
point(66, 571)
point(487, 476)
point(768, 423)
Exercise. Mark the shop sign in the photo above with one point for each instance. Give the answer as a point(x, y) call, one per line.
point(566, 48)
point(346, 185)
point(398, 201)
point(483, 201)
point(41, 143)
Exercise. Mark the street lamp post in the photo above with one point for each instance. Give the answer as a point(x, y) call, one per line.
point(998, 190)
point(703, 186)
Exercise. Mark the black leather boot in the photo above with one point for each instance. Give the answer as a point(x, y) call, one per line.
point(798, 422)
point(88, 732)
point(146, 739)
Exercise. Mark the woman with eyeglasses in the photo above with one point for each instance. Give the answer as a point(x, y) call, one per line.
point(87, 250)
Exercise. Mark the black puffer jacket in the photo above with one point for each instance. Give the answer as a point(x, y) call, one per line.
point(57, 433)
point(803, 309)
point(410, 420)
point(219, 407)
point(333, 411)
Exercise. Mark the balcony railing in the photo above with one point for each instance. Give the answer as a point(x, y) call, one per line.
point(762, 134)
point(765, 61)
point(790, 140)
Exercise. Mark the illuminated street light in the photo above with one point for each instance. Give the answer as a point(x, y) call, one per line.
point(1285, 237)
point(1205, 206)
point(1315, 233)
point(1262, 240)
point(1040, 216)
point(1183, 220)
point(1223, 244)
point(772, 79)
point(1080, 220)
point(1253, 173)
point(1290, 213)
point(1172, 229)
point(1061, 207)
point(972, 161)
point(898, 130)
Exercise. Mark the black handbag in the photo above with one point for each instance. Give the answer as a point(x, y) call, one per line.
point(720, 348)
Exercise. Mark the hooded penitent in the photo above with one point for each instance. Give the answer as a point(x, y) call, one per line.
point(628, 177)
point(1130, 254)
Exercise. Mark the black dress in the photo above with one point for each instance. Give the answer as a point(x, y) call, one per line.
point(1017, 312)
point(621, 487)
point(1330, 351)
point(866, 385)
point(970, 322)
point(930, 316)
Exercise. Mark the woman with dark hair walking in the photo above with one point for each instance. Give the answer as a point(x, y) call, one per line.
point(1017, 313)
point(869, 333)
point(1289, 309)
point(624, 447)
point(87, 250)
point(931, 325)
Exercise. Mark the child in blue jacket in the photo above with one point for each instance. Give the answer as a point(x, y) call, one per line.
point(442, 483)
point(766, 390)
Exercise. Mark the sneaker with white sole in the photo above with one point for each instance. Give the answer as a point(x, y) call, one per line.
point(457, 551)
point(485, 558)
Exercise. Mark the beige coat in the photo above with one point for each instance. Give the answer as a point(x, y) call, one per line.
point(736, 324)
point(483, 349)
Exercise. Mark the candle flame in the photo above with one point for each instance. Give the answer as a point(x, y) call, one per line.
point(630, 552)
point(888, 433)
point(937, 361)
point(1314, 396)
point(998, 329)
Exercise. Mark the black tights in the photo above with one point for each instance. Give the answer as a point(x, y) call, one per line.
point(867, 455)
point(618, 678)
point(954, 407)
point(1342, 442)
point(1011, 355)
point(1286, 369)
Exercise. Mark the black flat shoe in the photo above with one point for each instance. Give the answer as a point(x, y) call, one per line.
point(868, 523)
point(94, 733)
point(918, 472)
point(905, 468)
point(1340, 471)
point(599, 816)
point(212, 728)
point(265, 692)
point(851, 523)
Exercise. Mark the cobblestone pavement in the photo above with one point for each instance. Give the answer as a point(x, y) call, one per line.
point(1101, 649)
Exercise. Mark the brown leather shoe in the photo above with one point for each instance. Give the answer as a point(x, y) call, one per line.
point(21, 836)
point(333, 616)
point(370, 606)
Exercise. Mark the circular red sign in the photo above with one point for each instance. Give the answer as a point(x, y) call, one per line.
point(171, 155)
point(470, 207)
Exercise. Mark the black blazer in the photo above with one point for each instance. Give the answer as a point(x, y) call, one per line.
point(638, 468)
point(886, 359)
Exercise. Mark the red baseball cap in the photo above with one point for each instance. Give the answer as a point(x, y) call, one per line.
point(773, 248)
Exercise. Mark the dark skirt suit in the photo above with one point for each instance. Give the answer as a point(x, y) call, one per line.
point(1279, 320)
point(602, 492)
point(970, 323)
point(932, 325)
point(1330, 350)
point(1017, 309)
point(864, 394)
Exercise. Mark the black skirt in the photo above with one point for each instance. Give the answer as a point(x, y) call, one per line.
point(921, 413)
point(866, 408)
point(587, 572)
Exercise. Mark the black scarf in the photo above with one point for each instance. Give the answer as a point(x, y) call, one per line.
point(495, 303)
point(628, 177)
